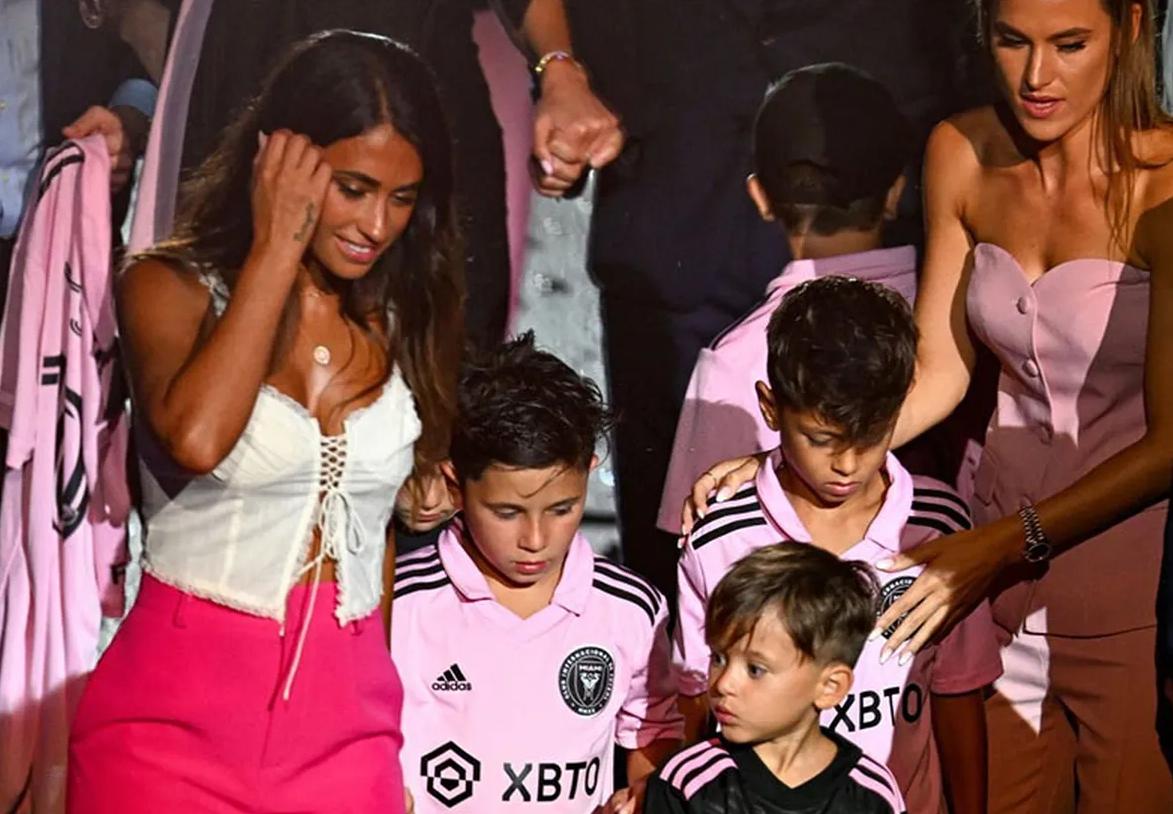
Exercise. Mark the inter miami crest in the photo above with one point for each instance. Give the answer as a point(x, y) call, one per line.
point(451, 773)
point(586, 680)
point(893, 590)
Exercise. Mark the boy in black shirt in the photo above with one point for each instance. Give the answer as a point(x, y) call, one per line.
point(785, 626)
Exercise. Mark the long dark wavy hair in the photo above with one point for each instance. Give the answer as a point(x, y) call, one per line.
point(331, 86)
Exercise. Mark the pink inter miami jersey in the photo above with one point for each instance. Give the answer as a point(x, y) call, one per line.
point(508, 714)
point(887, 712)
point(720, 418)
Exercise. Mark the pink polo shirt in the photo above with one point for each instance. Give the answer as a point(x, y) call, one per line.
point(506, 714)
point(720, 417)
point(887, 713)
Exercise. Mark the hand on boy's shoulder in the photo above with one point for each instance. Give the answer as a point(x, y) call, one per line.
point(724, 513)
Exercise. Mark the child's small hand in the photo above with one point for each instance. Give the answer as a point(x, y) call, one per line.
point(424, 502)
point(627, 801)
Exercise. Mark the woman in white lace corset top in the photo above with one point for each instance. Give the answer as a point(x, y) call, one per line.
point(293, 352)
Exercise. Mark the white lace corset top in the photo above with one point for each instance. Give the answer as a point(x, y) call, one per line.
point(241, 535)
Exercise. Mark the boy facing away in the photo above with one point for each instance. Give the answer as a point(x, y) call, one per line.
point(829, 152)
point(841, 358)
point(785, 626)
point(524, 657)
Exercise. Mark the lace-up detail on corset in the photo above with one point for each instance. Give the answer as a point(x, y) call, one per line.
point(337, 521)
point(339, 528)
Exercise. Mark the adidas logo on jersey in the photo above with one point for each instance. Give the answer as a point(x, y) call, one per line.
point(452, 680)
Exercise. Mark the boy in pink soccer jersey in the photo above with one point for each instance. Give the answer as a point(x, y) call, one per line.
point(829, 153)
point(841, 359)
point(524, 657)
point(785, 626)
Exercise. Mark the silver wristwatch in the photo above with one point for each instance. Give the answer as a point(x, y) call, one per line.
point(1038, 546)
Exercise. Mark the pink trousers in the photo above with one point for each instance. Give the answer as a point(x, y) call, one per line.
point(184, 713)
point(1076, 713)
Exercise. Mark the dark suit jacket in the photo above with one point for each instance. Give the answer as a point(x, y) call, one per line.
point(673, 225)
point(79, 66)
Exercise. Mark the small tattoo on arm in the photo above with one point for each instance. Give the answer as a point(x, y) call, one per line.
point(304, 231)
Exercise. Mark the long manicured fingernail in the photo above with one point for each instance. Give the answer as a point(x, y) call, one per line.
point(875, 634)
point(723, 494)
point(885, 654)
point(905, 657)
point(884, 564)
point(547, 167)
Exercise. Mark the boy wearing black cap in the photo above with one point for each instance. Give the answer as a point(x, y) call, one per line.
point(829, 153)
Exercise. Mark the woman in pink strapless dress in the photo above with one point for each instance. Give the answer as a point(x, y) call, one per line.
point(1053, 248)
point(1050, 241)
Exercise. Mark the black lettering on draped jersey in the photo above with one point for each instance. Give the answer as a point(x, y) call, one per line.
point(73, 490)
point(74, 286)
point(70, 280)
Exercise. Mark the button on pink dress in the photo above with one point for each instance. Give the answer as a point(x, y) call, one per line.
point(1070, 395)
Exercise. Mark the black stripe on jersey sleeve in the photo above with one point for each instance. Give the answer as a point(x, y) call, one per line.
point(932, 523)
point(426, 553)
point(960, 519)
point(619, 573)
point(412, 570)
point(633, 598)
point(420, 586)
point(941, 494)
point(421, 557)
point(711, 520)
point(724, 509)
point(77, 157)
point(717, 534)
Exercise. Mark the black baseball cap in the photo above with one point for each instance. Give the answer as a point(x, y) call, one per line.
point(839, 119)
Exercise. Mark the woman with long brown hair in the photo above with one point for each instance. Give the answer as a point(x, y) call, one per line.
point(1050, 241)
point(292, 350)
